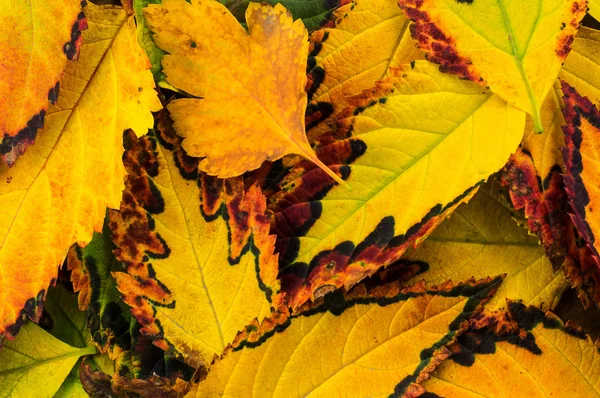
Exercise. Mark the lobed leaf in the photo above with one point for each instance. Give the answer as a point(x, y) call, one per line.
point(517, 50)
point(37, 38)
point(58, 192)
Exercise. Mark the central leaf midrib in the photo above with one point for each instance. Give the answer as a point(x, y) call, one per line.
point(389, 181)
point(79, 352)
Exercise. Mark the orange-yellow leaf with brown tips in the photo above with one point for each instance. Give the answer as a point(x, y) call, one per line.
point(249, 86)
point(57, 193)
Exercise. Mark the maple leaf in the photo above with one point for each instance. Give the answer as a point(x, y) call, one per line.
point(519, 352)
point(507, 50)
point(482, 238)
point(58, 192)
point(392, 197)
point(251, 84)
point(37, 37)
point(191, 244)
point(364, 343)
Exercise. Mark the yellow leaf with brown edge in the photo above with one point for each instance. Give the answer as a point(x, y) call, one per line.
point(58, 192)
point(250, 86)
point(197, 250)
point(350, 56)
point(482, 238)
point(37, 38)
point(524, 352)
point(417, 159)
point(514, 48)
point(377, 341)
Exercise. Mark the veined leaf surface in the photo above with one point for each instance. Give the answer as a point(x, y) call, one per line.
point(37, 37)
point(524, 353)
point(350, 56)
point(369, 343)
point(420, 159)
point(481, 238)
point(58, 192)
point(187, 250)
point(250, 85)
point(517, 50)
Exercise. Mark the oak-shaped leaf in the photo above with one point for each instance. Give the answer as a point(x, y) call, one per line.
point(58, 192)
point(369, 342)
point(516, 50)
point(409, 159)
point(37, 39)
point(519, 352)
point(250, 86)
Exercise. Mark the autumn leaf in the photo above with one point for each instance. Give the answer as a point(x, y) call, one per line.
point(37, 38)
point(594, 8)
point(259, 114)
point(369, 343)
point(58, 192)
point(190, 250)
point(517, 50)
point(397, 187)
point(350, 56)
point(520, 354)
point(481, 238)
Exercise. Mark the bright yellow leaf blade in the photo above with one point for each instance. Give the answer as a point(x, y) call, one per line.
point(250, 85)
point(58, 192)
point(548, 360)
point(37, 37)
point(36, 363)
point(349, 57)
point(514, 48)
point(369, 343)
point(200, 263)
point(421, 158)
point(481, 238)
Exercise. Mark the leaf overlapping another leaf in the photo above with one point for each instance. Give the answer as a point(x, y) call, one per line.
point(58, 192)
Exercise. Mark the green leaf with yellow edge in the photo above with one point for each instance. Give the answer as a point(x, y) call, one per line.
point(36, 363)
point(350, 56)
point(249, 86)
point(524, 353)
point(145, 39)
point(369, 342)
point(418, 159)
point(481, 238)
point(58, 192)
point(187, 250)
point(516, 49)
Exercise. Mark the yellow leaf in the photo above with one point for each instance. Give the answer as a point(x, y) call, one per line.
point(514, 48)
point(369, 343)
point(58, 192)
point(37, 37)
point(250, 85)
point(581, 69)
point(200, 263)
point(594, 9)
point(540, 357)
point(36, 363)
point(481, 238)
point(420, 158)
point(349, 57)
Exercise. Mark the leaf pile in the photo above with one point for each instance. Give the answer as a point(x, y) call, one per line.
point(299, 197)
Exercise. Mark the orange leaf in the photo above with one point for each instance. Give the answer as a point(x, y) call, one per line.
point(250, 87)
point(37, 37)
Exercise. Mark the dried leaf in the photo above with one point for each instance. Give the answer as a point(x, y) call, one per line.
point(37, 37)
point(250, 87)
point(58, 192)
point(516, 50)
